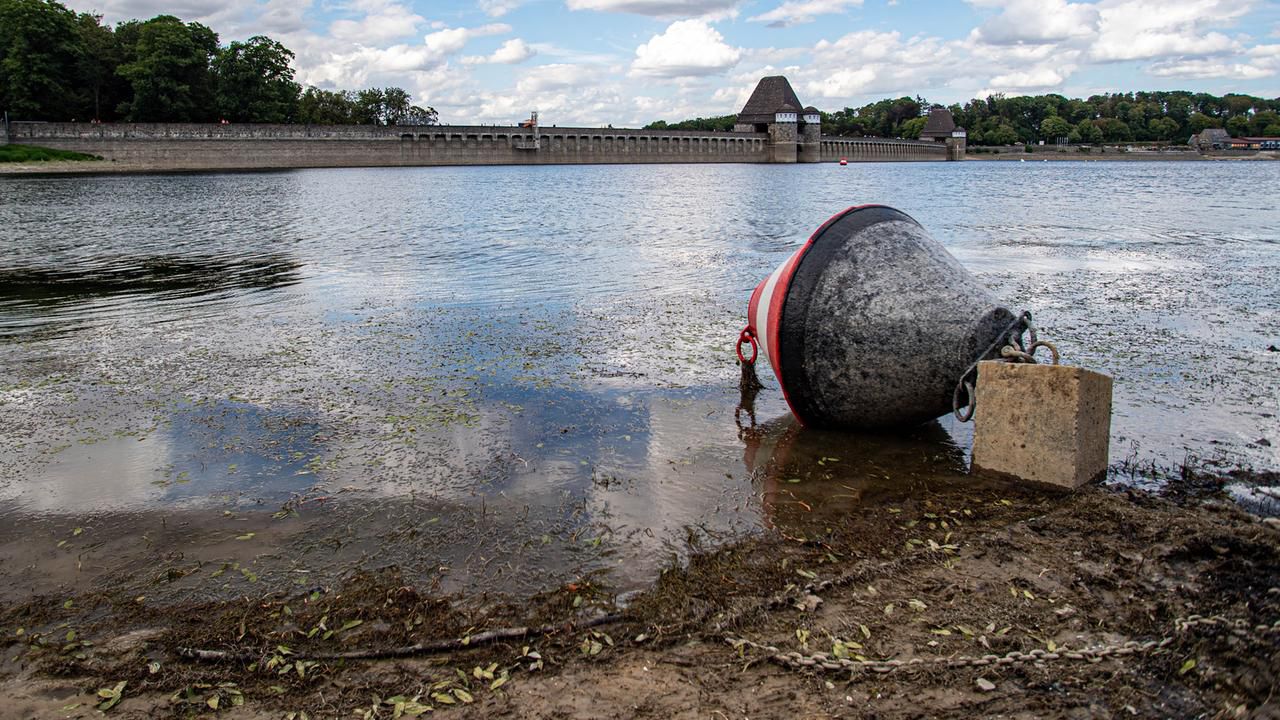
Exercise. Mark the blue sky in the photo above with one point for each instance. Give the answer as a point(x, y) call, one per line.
point(628, 62)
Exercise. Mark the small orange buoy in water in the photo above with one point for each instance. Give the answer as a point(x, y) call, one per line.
point(844, 161)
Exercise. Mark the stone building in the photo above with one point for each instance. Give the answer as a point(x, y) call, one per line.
point(795, 131)
point(941, 127)
point(1211, 139)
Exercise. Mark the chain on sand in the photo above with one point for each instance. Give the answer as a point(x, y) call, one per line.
point(822, 662)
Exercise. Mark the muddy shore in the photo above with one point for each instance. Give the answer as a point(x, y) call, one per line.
point(994, 600)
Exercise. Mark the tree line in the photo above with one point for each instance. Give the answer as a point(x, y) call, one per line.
point(1171, 116)
point(56, 64)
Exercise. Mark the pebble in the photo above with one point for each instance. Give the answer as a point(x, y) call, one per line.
point(985, 685)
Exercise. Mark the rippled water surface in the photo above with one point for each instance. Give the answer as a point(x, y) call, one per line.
point(503, 376)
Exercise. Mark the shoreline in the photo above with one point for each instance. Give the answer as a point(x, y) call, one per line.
point(114, 167)
point(908, 601)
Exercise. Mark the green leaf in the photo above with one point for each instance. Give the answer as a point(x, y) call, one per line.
point(463, 695)
point(1186, 666)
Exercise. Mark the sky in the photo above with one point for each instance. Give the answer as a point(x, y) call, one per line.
point(629, 62)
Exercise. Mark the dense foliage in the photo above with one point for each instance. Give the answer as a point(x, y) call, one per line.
point(724, 123)
point(999, 120)
point(56, 64)
point(1114, 117)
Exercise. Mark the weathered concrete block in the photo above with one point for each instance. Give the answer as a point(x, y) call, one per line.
point(1044, 423)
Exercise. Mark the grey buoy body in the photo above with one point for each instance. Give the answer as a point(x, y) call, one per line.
point(871, 323)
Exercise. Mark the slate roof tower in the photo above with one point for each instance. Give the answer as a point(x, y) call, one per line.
point(794, 133)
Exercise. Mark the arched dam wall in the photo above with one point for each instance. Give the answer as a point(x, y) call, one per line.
point(194, 146)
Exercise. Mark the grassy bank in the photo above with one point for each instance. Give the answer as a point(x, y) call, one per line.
point(34, 153)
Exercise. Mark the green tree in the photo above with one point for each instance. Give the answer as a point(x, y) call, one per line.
point(1089, 132)
point(254, 82)
point(420, 116)
point(1271, 130)
point(39, 60)
point(169, 72)
point(1115, 130)
point(1053, 128)
point(1262, 120)
point(1005, 134)
point(912, 128)
point(368, 107)
point(96, 71)
point(326, 107)
point(1162, 128)
point(1238, 126)
point(1198, 122)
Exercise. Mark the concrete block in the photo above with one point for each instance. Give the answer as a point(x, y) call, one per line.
point(1044, 423)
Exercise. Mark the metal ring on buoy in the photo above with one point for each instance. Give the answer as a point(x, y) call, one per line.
point(748, 335)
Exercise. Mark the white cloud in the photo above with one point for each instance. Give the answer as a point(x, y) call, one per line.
point(798, 12)
point(510, 53)
point(868, 61)
point(1201, 69)
point(1036, 21)
point(1153, 29)
point(686, 48)
point(1261, 61)
point(355, 65)
point(498, 8)
point(390, 22)
point(1034, 79)
point(709, 9)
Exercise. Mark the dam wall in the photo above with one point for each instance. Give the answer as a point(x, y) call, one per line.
point(196, 146)
point(870, 149)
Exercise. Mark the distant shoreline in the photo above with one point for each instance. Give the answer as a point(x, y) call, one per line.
point(1135, 156)
point(132, 166)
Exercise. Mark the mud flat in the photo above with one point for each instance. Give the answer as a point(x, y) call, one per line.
point(1075, 605)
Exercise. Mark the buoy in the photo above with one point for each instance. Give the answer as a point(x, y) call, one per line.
point(871, 323)
point(843, 161)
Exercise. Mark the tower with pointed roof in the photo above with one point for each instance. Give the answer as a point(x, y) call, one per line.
point(795, 131)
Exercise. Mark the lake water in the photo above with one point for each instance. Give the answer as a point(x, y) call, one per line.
point(508, 376)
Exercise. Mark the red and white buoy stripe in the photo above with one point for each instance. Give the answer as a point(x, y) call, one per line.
point(764, 311)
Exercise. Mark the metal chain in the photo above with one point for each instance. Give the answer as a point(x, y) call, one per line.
point(1013, 350)
point(822, 662)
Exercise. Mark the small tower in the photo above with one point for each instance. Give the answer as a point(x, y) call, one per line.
point(941, 127)
point(810, 149)
point(773, 108)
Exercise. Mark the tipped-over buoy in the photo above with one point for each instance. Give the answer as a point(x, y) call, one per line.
point(871, 323)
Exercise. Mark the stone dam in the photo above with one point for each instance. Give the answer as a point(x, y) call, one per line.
point(771, 128)
point(171, 146)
